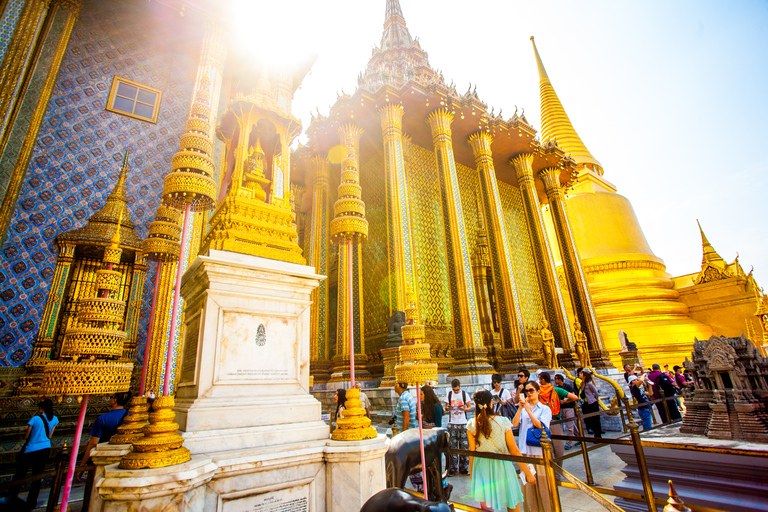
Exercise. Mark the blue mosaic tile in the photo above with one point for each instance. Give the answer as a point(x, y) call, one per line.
point(8, 23)
point(80, 147)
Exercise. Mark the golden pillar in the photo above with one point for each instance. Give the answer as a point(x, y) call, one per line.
point(43, 345)
point(208, 79)
point(134, 306)
point(28, 125)
point(484, 290)
point(583, 309)
point(349, 209)
point(554, 306)
point(320, 365)
point(469, 354)
point(510, 318)
point(398, 208)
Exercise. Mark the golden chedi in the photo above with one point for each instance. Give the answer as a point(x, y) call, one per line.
point(160, 445)
point(132, 426)
point(630, 288)
point(414, 368)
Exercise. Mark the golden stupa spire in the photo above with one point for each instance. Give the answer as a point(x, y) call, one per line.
point(555, 124)
point(710, 255)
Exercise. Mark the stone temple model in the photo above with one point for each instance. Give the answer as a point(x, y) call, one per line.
point(731, 400)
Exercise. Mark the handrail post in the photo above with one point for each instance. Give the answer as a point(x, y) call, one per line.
point(584, 452)
point(642, 466)
point(53, 497)
point(554, 494)
point(88, 489)
point(666, 407)
point(621, 413)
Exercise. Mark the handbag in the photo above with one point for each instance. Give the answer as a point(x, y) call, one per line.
point(533, 437)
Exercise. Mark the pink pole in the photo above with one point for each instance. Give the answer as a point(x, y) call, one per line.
point(351, 316)
point(175, 311)
point(149, 328)
point(73, 455)
point(421, 443)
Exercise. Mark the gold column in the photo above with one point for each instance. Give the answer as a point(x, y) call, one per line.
point(514, 343)
point(319, 364)
point(349, 201)
point(469, 354)
point(134, 307)
point(574, 274)
point(17, 57)
point(554, 305)
point(43, 344)
point(209, 70)
point(72, 12)
point(398, 209)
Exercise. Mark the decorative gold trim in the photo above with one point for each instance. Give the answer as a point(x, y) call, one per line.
point(17, 175)
point(116, 80)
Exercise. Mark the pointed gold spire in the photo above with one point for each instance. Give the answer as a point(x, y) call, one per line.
point(555, 124)
point(710, 256)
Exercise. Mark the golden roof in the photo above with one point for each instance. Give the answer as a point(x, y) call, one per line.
point(555, 124)
point(102, 226)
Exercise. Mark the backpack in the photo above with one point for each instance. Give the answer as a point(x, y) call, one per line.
point(553, 403)
point(463, 396)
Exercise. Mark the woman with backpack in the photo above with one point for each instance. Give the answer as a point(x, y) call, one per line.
point(37, 447)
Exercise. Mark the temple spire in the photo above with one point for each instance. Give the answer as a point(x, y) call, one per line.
point(710, 255)
point(555, 124)
point(395, 34)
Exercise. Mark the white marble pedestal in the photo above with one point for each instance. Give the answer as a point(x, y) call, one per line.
point(104, 455)
point(243, 404)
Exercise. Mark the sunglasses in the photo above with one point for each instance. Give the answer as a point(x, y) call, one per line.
point(521, 375)
point(530, 391)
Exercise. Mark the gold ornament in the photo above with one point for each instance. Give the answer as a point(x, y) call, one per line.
point(355, 425)
point(131, 429)
point(160, 445)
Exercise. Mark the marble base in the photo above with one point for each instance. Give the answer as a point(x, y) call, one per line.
point(735, 478)
point(103, 455)
point(315, 476)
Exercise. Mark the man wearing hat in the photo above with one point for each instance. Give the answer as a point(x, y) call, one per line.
point(636, 388)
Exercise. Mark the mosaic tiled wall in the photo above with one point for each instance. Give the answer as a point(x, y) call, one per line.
point(80, 146)
point(8, 22)
point(375, 278)
point(522, 255)
point(428, 239)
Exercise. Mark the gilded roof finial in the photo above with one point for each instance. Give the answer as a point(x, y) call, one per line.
point(555, 122)
point(710, 255)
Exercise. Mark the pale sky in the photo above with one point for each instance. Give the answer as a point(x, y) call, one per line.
point(668, 96)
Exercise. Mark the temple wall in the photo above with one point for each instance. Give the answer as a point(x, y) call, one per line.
point(428, 239)
point(79, 149)
point(376, 301)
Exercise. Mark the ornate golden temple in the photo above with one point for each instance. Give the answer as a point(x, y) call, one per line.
point(508, 238)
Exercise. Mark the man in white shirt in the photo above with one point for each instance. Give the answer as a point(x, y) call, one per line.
point(458, 403)
point(364, 399)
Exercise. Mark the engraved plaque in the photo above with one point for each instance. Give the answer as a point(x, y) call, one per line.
point(189, 357)
point(293, 499)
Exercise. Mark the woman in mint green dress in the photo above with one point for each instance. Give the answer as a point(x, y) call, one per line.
point(494, 482)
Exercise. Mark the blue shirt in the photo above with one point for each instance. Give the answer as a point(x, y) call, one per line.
point(106, 425)
point(37, 438)
point(406, 402)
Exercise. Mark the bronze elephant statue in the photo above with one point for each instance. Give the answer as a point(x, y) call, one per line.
point(398, 500)
point(403, 459)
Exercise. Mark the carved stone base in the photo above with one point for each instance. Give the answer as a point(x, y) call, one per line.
point(492, 342)
point(515, 359)
point(341, 371)
point(600, 359)
point(471, 365)
point(391, 357)
point(567, 359)
point(321, 371)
